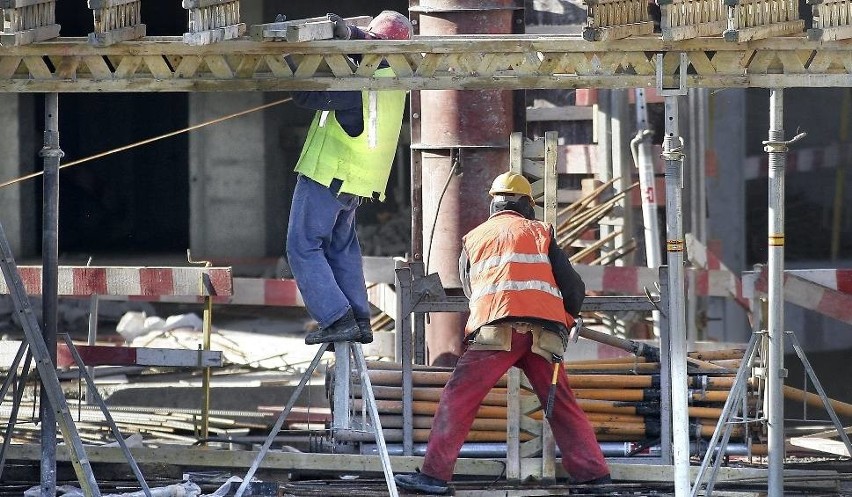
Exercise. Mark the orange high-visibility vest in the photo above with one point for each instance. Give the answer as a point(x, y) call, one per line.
point(510, 272)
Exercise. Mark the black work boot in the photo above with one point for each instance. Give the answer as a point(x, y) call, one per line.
point(422, 483)
point(344, 329)
point(365, 331)
point(598, 486)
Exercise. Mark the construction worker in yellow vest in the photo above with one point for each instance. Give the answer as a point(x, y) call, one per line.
point(524, 297)
point(346, 158)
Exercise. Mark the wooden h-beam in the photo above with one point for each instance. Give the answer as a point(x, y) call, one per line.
point(115, 21)
point(211, 21)
point(686, 19)
point(832, 20)
point(759, 19)
point(27, 21)
point(453, 62)
point(615, 19)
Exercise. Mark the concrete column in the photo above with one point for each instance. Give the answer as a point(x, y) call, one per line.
point(228, 172)
point(725, 205)
point(464, 138)
point(19, 152)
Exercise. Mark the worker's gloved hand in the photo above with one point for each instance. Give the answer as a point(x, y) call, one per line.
point(575, 330)
point(341, 27)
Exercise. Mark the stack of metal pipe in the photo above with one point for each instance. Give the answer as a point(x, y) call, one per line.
point(620, 396)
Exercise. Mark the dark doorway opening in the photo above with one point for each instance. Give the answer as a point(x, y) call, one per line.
point(130, 202)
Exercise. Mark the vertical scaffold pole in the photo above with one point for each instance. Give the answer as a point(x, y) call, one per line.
point(52, 154)
point(776, 148)
point(673, 157)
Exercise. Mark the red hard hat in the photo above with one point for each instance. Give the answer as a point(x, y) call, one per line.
point(391, 25)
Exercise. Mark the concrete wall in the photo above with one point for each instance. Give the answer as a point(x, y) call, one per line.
point(227, 176)
point(18, 153)
point(726, 205)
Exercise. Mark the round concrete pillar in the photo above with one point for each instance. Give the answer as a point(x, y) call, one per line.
point(466, 129)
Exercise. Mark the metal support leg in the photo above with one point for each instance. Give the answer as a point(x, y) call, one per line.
point(367, 391)
point(825, 401)
point(673, 157)
point(280, 421)
point(16, 404)
point(47, 372)
point(97, 399)
point(740, 383)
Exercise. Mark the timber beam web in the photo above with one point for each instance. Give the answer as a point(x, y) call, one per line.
point(455, 62)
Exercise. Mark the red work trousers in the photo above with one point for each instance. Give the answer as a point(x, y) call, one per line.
point(475, 374)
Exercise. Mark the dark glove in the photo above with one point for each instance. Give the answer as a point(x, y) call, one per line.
point(341, 27)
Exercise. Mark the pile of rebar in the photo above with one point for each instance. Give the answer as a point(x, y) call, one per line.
point(578, 227)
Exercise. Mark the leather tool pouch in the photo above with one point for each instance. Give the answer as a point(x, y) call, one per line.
point(492, 337)
point(547, 343)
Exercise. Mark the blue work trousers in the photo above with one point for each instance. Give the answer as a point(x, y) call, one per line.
point(324, 254)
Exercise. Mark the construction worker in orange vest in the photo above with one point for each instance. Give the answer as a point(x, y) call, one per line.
point(524, 298)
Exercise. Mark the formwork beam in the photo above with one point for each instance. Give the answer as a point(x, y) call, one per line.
point(211, 21)
point(759, 19)
point(116, 21)
point(452, 62)
point(27, 21)
point(832, 20)
point(615, 19)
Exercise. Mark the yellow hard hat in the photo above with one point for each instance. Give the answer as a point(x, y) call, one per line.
point(510, 183)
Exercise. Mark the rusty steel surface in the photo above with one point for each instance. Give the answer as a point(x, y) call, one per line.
point(463, 142)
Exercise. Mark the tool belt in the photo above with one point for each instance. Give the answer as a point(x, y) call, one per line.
point(546, 343)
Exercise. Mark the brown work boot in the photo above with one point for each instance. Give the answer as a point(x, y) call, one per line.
point(344, 329)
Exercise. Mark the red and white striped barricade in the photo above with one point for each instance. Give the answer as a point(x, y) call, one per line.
point(135, 283)
point(825, 291)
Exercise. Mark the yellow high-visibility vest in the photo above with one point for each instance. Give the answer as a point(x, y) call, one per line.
point(363, 163)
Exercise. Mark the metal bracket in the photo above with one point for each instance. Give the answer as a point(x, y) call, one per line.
point(429, 288)
point(681, 89)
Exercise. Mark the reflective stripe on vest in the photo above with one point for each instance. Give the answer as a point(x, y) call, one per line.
point(501, 260)
point(503, 286)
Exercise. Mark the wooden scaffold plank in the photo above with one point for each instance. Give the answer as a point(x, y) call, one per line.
point(116, 21)
point(27, 21)
point(212, 21)
point(616, 19)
